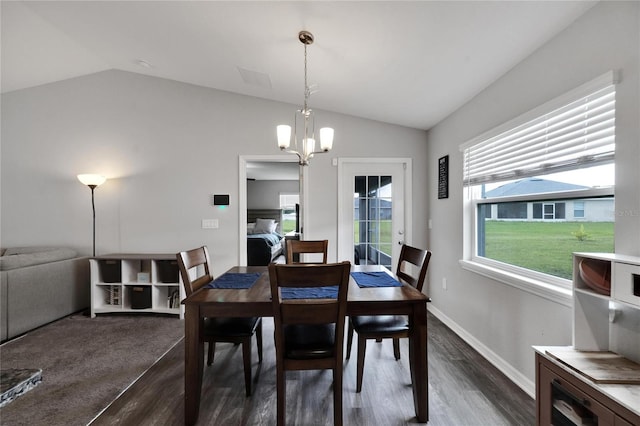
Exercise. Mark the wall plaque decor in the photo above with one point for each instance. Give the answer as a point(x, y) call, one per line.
point(443, 177)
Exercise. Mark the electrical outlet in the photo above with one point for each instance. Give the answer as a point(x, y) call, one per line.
point(444, 283)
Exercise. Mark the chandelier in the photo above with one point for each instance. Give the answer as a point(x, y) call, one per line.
point(304, 141)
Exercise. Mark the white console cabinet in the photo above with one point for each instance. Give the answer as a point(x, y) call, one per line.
point(596, 381)
point(610, 322)
point(136, 283)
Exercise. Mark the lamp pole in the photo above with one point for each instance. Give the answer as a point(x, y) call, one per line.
point(92, 181)
point(93, 208)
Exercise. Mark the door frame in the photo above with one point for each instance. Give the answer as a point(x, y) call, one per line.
point(344, 250)
point(242, 195)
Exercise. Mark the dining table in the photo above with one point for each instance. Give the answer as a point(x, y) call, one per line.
point(255, 300)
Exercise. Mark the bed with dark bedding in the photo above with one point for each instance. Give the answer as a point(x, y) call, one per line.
point(264, 240)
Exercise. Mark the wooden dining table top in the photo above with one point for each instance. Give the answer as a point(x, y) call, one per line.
point(257, 298)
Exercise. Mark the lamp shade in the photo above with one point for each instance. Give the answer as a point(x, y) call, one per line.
point(326, 138)
point(284, 136)
point(92, 179)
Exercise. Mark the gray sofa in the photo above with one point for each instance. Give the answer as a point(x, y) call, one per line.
point(39, 285)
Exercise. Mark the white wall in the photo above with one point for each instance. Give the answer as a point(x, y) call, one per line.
point(165, 147)
point(265, 194)
point(489, 313)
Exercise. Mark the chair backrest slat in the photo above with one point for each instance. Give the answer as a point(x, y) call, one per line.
point(306, 247)
point(419, 259)
point(199, 259)
point(309, 311)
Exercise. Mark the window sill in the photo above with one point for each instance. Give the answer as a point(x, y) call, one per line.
point(540, 288)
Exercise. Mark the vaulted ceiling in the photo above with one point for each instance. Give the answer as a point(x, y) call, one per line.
point(408, 63)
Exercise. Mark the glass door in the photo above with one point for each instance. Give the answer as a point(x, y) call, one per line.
point(371, 210)
point(373, 214)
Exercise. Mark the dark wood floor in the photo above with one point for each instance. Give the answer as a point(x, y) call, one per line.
point(464, 389)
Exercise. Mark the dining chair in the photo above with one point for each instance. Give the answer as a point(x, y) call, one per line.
point(197, 263)
point(380, 327)
point(295, 248)
point(309, 332)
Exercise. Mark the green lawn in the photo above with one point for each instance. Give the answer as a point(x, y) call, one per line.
point(385, 231)
point(545, 246)
point(384, 243)
point(541, 246)
point(288, 225)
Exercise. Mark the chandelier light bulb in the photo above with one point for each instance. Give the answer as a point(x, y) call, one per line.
point(284, 136)
point(326, 139)
point(309, 146)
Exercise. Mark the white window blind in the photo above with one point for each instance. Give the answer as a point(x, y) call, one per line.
point(573, 131)
point(288, 200)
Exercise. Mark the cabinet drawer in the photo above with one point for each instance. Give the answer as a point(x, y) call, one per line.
point(570, 401)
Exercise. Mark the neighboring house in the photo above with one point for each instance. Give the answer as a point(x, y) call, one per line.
point(587, 210)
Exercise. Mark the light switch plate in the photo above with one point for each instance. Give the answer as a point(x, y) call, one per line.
point(209, 223)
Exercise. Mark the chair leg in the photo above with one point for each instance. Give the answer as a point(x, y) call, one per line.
point(396, 348)
point(349, 339)
point(259, 341)
point(281, 390)
point(212, 348)
point(337, 396)
point(246, 358)
point(362, 348)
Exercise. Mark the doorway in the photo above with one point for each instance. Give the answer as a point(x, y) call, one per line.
point(374, 209)
point(272, 167)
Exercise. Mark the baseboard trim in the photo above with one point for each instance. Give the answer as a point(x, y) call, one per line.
point(507, 369)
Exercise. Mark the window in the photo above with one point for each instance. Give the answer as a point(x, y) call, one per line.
point(548, 211)
point(541, 186)
point(512, 211)
point(288, 206)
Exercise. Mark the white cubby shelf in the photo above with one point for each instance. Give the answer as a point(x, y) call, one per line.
point(133, 283)
point(608, 322)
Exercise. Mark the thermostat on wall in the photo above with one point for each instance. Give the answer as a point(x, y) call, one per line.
point(221, 200)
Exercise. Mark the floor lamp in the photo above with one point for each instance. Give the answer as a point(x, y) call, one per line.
point(92, 181)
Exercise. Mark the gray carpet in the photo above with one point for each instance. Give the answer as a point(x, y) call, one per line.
point(86, 363)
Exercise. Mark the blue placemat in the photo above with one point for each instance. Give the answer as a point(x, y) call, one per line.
point(327, 292)
point(234, 280)
point(375, 279)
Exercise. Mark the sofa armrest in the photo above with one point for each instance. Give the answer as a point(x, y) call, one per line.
point(39, 294)
point(23, 258)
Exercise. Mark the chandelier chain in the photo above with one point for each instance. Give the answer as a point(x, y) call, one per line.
point(306, 85)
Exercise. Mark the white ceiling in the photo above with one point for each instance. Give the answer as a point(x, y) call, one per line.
point(409, 63)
